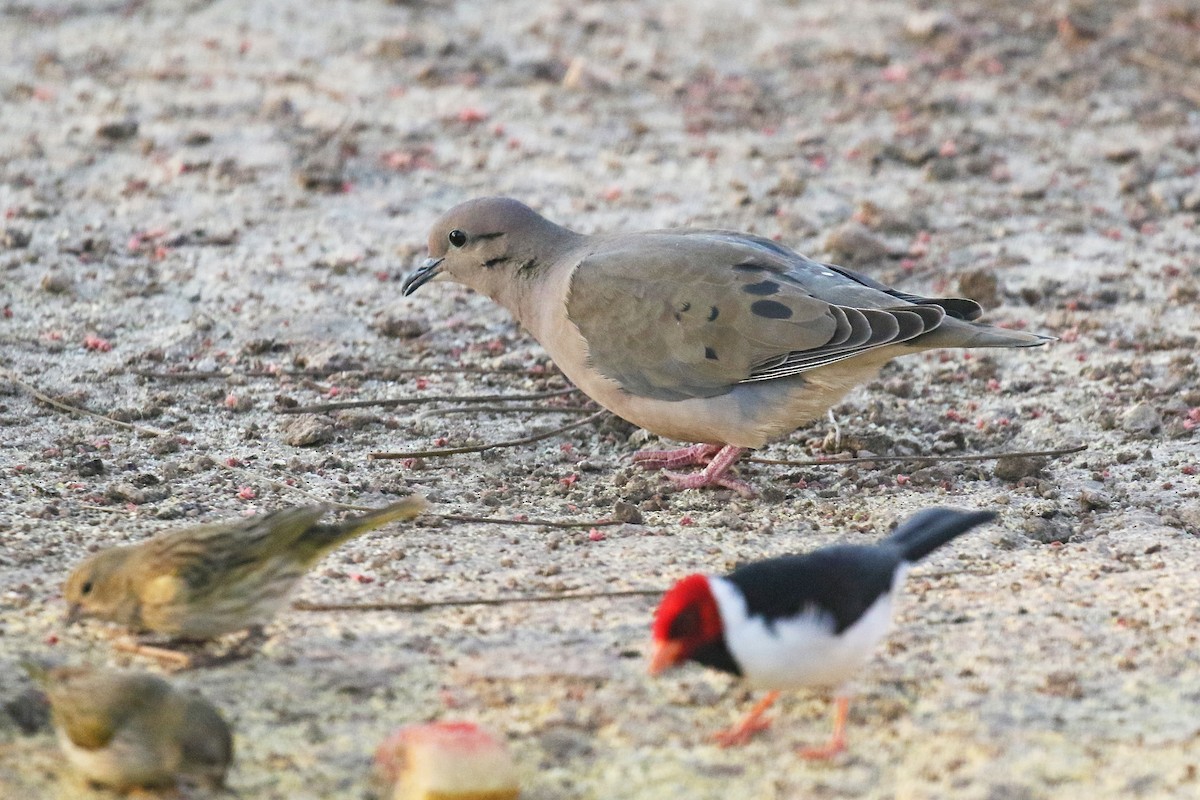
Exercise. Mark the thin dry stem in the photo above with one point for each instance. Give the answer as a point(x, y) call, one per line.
point(543, 523)
point(919, 459)
point(383, 372)
point(474, 601)
point(510, 410)
point(319, 408)
point(50, 401)
point(452, 451)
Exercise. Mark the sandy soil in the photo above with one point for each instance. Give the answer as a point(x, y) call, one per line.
point(207, 208)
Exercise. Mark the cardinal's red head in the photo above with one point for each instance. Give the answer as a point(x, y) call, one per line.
point(687, 620)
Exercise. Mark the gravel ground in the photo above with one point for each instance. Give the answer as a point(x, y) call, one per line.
point(207, 210)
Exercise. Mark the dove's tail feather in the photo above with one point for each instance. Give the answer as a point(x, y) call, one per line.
point(958, 333)
point(926, 531)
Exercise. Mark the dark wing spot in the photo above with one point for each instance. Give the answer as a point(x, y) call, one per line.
point(685, 307)
point(492, 262)
point(710, 354)
point(712, 313)
point(763, 287)
point(770, 309)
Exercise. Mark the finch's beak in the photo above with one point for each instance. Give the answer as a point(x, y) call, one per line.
point(421, 275)
point(666, 655)
point(74, 614)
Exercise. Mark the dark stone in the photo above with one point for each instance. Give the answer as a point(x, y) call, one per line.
point(30, 711)
point(1014, 468)
point(1046, 531)
point(118, 131)
point(89, 467)
point(627, 512)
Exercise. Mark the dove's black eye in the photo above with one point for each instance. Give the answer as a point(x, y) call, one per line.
point(87, 588)
point(457, 238)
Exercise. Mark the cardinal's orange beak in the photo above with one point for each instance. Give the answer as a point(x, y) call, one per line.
point(666, 655)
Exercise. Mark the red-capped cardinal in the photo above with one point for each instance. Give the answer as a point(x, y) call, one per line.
point(798, 621)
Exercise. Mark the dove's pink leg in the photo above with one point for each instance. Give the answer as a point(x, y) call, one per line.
point(683, 457)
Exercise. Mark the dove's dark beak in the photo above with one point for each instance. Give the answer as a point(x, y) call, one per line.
point(421, 275)
point(74, 614)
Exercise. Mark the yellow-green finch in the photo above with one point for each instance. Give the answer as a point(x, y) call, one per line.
point(205, 581)
point(130, 730)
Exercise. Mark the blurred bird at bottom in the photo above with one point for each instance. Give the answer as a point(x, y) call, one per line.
point(132, 730)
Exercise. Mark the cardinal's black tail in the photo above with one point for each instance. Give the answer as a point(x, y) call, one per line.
point(926, 531)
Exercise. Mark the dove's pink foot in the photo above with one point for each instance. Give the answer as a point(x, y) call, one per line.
point(715, 474)
point(751, 724)
point(716, 458)
point(683, 457)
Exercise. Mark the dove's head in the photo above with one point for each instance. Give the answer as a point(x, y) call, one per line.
point(102, 587)
point(492, 245)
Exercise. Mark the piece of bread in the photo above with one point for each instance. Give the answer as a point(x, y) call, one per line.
point(447, 761)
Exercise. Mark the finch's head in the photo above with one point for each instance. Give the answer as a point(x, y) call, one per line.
point(687, 621)
point(101, 586)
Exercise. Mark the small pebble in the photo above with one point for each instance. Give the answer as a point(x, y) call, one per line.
point(306, 430)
